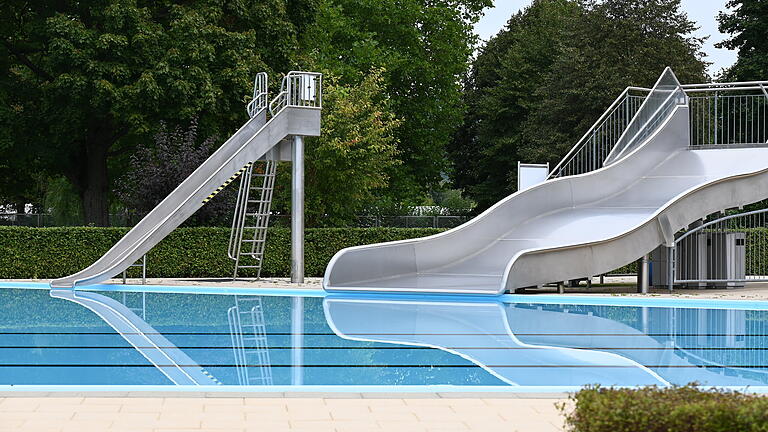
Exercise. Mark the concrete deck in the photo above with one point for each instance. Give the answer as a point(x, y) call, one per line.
point(177, 414)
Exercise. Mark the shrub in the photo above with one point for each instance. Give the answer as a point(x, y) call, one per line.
point(654, 409)
point(45, 253)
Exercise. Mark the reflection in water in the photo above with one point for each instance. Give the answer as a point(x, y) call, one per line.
point(249, 341)
point(168, 359)
point(184, 339)
point(536, 345)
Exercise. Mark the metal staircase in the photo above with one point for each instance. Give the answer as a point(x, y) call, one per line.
point(254, 199)
point(249, 341)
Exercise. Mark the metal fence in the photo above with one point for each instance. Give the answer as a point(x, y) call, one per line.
point(725, 252)
point(130, 219)
point(593, 148)
point(729, 119)
point(720, 114)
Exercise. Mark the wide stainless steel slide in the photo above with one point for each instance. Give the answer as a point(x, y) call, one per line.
point(296, 112)
point(652, 185)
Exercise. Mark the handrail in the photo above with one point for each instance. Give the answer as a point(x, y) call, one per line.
point(688, 89)
point(636, 119)
point(299, 89)
point(718, 220)
point(260, 94)
point(584, 139)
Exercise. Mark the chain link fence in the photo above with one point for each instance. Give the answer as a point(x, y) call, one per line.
point(130, 219)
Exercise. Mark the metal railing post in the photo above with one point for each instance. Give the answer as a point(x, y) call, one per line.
point(716, 121)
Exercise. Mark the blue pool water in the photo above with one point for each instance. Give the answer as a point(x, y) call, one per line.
point(176, 339)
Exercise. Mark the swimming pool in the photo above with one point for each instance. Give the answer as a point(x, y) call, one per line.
point(241, 340)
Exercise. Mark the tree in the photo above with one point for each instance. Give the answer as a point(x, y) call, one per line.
point(423, 46)
point(157, 168)
point(538, 85)
point(748, 27)
point(348, 165)
point(88, 80)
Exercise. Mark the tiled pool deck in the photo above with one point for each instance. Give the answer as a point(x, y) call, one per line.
point(341, 413)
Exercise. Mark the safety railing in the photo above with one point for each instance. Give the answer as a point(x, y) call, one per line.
point(730, 114)
point(720, 114)
point(667, 93)
point(590, 151)
point(725, 252)
point(299, 89)
point(260, 94)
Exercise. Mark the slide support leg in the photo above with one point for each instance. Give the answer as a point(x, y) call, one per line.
point(297, 210)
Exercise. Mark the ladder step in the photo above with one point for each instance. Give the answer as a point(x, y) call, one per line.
point(248, 266)
point(253, 241)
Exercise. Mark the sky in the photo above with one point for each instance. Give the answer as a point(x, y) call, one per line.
point(703, 12)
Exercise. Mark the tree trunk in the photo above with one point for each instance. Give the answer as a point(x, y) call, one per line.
point(94, 190)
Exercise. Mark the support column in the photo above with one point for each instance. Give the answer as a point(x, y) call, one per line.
point(297, 209)
point(642, 275)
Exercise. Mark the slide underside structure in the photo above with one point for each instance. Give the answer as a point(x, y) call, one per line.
point(653, 184)
point(296, 111)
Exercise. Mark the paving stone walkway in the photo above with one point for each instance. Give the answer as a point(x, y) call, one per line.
point(178, 414)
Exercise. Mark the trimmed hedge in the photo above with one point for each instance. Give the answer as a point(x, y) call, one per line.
point(46, 253)
point(654, 409)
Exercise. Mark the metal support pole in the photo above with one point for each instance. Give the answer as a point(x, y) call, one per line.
point(297, 341)
point(642, 275)
point(671, 268)
point(297, 210)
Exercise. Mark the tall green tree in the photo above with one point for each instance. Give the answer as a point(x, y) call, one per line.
point(538, 85)
point(424, 48)
point(86, 80)
point(747, 26)
point(348, 166)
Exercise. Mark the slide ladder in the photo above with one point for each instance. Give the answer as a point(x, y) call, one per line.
point(249, 225)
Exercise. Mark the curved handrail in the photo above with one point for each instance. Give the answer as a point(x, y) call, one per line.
point(260, 94)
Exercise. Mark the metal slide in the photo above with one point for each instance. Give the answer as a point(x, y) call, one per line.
point(652, 184)
point(296, 111)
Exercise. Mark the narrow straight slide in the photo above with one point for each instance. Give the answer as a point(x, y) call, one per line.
point(652, 185)
point(296, 112)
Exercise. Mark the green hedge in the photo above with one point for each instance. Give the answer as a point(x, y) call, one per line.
point(653, 409)
point(45, 253)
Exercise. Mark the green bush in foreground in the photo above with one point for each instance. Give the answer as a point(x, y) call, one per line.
point(675, 409)
point(45, 253)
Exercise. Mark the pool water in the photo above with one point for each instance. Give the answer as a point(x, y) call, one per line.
point(175, 339)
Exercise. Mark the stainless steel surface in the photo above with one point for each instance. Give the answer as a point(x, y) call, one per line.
point(295, 117)
point(644, 274)
point(569, 227)
point(297, 210)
